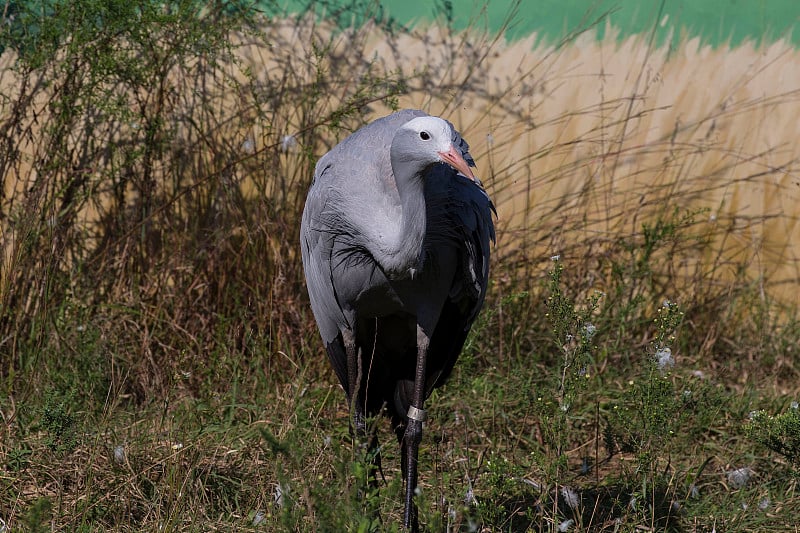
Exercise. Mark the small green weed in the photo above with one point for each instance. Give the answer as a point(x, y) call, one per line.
point(573, 334)
point(780, 433)
point(58, 422)
point(38, 516)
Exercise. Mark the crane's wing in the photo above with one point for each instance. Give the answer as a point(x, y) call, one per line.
point(471, 229)
point(316, 247)
point(475, 214)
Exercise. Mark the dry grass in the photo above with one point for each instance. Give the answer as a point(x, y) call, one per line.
point(586, 141)
point(579, 142)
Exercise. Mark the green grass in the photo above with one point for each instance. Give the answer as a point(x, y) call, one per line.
point(159, 365)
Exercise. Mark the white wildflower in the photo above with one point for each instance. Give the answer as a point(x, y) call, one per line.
point(664, 359)
point(249, 146)
point(570, 497)
point(738, 478)
point(764, 503)
point(566, 525)
point(532, 483)
point(589, 330)
point(279, 495)
point(287, 143)
point(119, 454)
point(556, 257)
point(794, 405)
point(469, 497)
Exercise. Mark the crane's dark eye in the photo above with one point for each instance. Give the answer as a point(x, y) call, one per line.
point(424, 135)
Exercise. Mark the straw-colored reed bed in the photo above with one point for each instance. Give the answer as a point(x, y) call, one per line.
point(589, 140)
point(579, 142)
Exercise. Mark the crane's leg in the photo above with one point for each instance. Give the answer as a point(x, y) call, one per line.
point(413, 432)
point(357, 419)
point(365, 441)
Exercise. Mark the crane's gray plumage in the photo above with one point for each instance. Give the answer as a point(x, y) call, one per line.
point(395, 242)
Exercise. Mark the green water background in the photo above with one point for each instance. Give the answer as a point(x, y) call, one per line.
point(715, 22)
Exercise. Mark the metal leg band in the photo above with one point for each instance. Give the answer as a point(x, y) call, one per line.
point(417, 414)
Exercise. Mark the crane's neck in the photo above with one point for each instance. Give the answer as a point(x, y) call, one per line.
point(404, 252)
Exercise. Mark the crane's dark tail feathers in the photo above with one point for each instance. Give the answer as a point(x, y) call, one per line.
point(403, 392)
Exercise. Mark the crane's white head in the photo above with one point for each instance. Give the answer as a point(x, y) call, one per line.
point(424, 141)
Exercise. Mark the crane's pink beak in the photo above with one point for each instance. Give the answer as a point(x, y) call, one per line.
point(456, 160)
